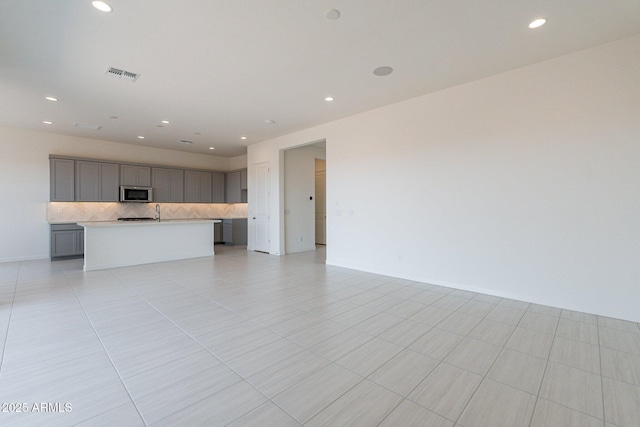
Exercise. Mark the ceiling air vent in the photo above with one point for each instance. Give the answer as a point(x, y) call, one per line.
point(83, 125)
point(122, 74)
point(184, 141)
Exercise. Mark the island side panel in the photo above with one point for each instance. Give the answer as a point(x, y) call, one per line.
point(120, 246)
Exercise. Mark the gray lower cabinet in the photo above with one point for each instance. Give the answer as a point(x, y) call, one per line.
point(168, 185)
point(234, 231)
point(97, 181)
point(217, 233)
point(62, 179)
point(67, 241)
point(139, 176)
point(197, 187)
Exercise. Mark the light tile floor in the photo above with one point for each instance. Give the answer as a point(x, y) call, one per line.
point(249, 339)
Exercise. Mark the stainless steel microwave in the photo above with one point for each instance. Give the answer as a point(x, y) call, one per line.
point(136, 194)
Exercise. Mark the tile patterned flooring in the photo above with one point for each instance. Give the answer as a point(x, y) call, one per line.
point(249, 339)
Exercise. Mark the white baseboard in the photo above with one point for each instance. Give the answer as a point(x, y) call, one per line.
point(24, 258)
point(566, 305)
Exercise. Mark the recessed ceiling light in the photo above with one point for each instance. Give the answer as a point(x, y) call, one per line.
point(211, 148)
point(101, 6)
point(47, 122)
point(166, 122)
point(537, 23)
point(329, 98)
point(140, 137)
point(332, 14)
point(383, 71)
point(243, 137)
point(185, 141)
point(270, 122)
point(51, 98)
point(159, 126)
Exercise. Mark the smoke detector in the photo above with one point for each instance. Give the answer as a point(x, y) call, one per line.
point(122, 74)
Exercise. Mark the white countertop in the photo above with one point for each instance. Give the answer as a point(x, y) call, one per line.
point(145, 223)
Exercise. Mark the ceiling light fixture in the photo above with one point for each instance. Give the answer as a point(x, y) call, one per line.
point(101, 6)
point(166, 122)
point(329, 98)
point(383, 71)
point(243, 137)
point(332, 14)
point(270, 122)
point(47, 122)
point(211, 148)
point(51, 98)
point(537, 23)
point(185, 141)
point(140, 137)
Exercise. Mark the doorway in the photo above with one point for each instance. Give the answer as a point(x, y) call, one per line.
point(321, 202)
point(260, 217)
point(299, 197)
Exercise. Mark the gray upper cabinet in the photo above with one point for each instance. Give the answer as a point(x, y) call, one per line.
point(243, 180)
point(139, 176)
point(89, 180)
point(96, 181)
point(62, 180)
point(198, 187)
point(168, 185)
point(236, 193)
point(218, 188)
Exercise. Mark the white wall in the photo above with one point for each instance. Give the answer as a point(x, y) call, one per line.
point(299, 186)
point(24, 181)
point(523, 185)
point(238, 162)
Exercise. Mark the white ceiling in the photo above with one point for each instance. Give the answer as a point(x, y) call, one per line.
point(217, 69)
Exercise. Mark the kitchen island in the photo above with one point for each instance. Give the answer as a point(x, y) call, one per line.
point(109, 244)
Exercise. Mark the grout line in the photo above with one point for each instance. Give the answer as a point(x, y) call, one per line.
point(6, 336)
point(243, 379)
point(604, 415)
point(109, 357)
point(544, 372)
point(484, 377)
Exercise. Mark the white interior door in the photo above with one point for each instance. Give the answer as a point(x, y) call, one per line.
point(321, 207)
point(260, 216)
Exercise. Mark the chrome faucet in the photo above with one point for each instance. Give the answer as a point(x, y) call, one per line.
point(158, 212)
